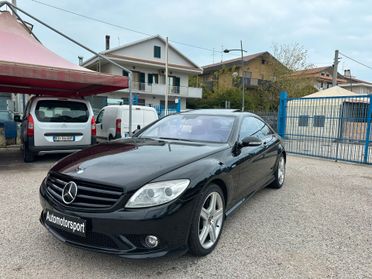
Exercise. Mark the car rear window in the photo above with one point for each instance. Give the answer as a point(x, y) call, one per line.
point(61, 111)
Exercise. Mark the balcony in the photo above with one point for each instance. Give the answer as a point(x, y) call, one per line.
point(159, 89)
point(251, 82)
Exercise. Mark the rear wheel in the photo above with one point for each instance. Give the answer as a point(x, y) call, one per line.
point(279, 174)
point(208, 221)
point(110, 138)
point(28, 155)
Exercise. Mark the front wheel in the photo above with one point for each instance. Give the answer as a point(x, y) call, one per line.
point(208, 221)
point(279, 173)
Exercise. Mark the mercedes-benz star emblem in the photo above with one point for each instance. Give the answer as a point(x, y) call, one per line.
point(69, 192)
point(79, 170)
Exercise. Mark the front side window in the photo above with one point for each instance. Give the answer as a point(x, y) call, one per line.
point(190, 127)
point(100, 117)
point(61, 111)
point(254, 127)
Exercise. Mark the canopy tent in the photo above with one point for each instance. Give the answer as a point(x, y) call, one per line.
point(334, 91)
point(27, 67)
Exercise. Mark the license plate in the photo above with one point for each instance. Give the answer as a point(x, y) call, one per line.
point(63, 138)
point(67, 223)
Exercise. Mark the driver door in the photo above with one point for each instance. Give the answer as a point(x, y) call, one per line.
point(249, 159)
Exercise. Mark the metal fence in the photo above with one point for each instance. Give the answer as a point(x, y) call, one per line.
point(337, 128)
point(270, 117)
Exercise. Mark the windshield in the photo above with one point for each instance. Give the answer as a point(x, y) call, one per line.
point(191, 127)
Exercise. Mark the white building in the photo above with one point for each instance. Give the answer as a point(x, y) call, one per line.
point(360, 88)
point(146, 59)
point(333, 113)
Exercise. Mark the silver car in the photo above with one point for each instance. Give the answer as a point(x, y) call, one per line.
point(55, 125)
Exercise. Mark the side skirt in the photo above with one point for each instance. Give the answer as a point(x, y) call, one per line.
point(243, 200)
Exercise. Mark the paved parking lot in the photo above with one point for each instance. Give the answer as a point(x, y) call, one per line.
point(318, 226)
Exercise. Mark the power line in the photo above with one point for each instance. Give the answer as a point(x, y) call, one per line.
point(119, 26)
point(356, 61)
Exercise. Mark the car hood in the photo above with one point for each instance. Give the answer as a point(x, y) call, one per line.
point(133, 162)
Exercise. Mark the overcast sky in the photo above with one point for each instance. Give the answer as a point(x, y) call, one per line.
point(320, 26)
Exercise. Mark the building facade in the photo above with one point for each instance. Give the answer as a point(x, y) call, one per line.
point(256, 69)
point(321, 77)
point(146, 59)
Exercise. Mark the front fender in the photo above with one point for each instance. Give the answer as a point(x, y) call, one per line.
point(201, 173)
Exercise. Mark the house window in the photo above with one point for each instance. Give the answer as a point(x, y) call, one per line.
point(319, 120)
point(157, 52)
point(303, 121)
point(136, 101)
point(153, 79)
point(247, 74)
point(174, 83)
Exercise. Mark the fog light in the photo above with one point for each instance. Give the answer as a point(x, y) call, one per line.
point(151, 241)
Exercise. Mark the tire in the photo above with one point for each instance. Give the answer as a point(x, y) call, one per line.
point(28, 155)
point(279, 174)
point(110, 138)
point(207, 224)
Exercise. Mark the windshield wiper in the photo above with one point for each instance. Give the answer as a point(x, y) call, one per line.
point(174, 139)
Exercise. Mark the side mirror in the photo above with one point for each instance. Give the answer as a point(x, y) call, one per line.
point(250, 141)
point(17, 118)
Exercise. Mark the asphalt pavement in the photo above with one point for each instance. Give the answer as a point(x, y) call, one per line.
point(319, 225)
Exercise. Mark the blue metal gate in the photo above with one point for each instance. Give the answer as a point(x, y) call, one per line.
point(337, 128)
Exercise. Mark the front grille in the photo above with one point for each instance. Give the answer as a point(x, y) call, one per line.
point(92, 239)
point(89, 195)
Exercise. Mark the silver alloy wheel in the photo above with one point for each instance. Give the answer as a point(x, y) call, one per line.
point(210, 220)
point(281, 170)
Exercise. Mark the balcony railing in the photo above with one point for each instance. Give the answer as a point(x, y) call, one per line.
point(159, 89)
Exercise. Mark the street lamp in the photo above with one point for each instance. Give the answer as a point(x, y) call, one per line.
point(241, 51)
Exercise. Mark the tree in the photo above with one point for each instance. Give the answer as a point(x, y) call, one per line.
point(293, 58)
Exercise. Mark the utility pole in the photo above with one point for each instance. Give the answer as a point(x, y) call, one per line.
point(166, 78)
point(335, 64)
point(241, 51)
point(242, 67)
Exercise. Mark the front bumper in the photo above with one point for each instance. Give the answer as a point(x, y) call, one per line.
point(122, 231)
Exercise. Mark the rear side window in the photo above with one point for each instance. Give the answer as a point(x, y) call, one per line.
point(61, 111)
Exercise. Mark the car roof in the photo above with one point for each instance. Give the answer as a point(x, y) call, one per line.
point(227, 112)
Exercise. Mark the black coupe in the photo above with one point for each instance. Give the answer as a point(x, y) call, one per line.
point(166, 190)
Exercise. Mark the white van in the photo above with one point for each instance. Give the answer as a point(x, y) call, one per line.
point(113, 121)
point(55, 125)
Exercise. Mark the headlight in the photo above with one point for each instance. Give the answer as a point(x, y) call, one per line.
point(157, 193)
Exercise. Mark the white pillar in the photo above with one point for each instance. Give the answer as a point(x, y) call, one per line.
point(166, 77)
